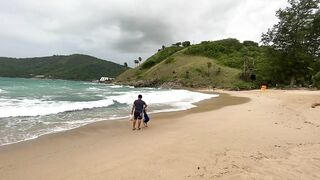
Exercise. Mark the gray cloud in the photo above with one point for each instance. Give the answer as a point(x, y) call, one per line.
point(141, 35)
point(122, 30)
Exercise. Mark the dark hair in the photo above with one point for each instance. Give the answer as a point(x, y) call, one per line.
point(140, 96)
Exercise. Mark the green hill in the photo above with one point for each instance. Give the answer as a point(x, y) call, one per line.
point(208, 64)
point(72, 67)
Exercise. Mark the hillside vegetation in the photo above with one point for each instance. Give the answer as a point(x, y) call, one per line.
point(159, 57)
point(228, 52)
point(73, 67)
point(208, 64)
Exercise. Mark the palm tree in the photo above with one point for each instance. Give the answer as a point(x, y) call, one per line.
point(140, 59)
point(136, 62)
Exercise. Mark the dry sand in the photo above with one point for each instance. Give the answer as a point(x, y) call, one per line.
point(248, 135)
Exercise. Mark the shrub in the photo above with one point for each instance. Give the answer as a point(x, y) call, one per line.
point(243, 86)
point(316, 80)
point(250, 43)
point(228, 52)
point(218, 71)
point(148, 64)
point(169, 60)
point(160, 56)
point(186, 43)
point(198, 70)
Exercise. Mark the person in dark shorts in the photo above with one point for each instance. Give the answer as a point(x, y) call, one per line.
point(137, 110)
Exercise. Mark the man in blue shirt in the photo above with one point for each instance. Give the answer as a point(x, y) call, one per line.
point(138, 108)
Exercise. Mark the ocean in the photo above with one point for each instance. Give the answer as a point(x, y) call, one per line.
point(30, 108)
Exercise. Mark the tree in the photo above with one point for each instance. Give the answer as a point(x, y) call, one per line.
point(250, 43)
point(316, 80)
point(140, 59)
point(313, 37)
point(209, 65)
point(125, 64)
point(163, 47)
point(186, 43)
point(296, 38)
point(136, 62)
point(178, 44)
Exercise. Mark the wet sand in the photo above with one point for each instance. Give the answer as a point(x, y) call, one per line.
point(240, 135)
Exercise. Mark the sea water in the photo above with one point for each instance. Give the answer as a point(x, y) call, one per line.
point(30, 108)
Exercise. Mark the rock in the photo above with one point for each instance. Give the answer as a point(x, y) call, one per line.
point(171, 85)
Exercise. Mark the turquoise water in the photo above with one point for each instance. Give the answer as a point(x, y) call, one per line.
point(30, 108)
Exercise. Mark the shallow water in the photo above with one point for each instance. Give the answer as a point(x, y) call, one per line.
point(30, 108)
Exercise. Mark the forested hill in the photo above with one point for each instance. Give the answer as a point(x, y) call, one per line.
point(72, 67)
point(208, 64)
point(226, 63)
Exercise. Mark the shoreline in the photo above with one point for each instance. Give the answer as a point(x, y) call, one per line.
point(156, 114)
point(247, 135)
point(220, 101)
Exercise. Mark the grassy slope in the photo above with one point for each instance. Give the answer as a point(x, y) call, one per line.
point(188, 66)
point(175, 67)
point(73, 67)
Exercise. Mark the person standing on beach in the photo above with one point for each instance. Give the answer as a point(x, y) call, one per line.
point(137, 109)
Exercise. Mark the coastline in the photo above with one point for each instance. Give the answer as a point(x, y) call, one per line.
point(125, 118)
point(228, 137)
point(43, 108)
point(201, 106)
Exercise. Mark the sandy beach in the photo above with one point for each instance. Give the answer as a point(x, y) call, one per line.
point(240, 135)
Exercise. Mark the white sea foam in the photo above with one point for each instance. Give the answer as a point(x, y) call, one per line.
point(115, 86)
point(2, 91)
point(58, 127)
point(181, 99)
point(6, 140)
point(119, 86)
point(178, 99)
point(93, 89)
point(35, 107)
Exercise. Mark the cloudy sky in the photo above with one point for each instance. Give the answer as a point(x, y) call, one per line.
point(122, 30)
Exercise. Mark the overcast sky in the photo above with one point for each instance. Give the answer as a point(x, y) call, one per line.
point(122, 30)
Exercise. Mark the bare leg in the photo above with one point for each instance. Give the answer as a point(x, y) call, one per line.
point(139, 123)
point(134, 124)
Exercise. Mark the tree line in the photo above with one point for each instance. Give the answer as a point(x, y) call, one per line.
point(293, 45)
